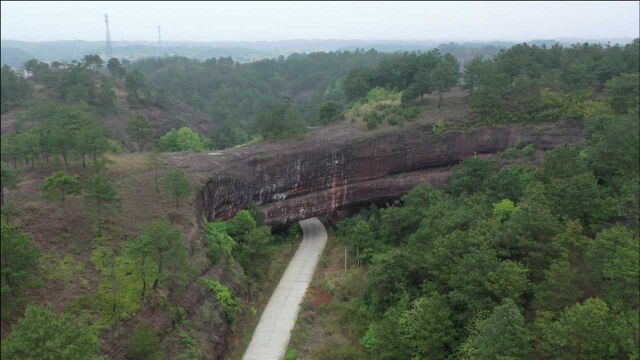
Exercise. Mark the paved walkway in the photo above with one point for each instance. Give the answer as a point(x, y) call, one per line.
point(271, 337)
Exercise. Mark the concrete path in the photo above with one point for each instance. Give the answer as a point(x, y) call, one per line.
point(271, 337)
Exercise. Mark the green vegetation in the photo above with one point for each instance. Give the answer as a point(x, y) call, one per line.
point(145, 344)
point(139, 130)
point(439, 128)
point(15, 90)
point(330, 112)
point(60, 185)
point(224, 296)
point(282, 121)
point(160, 255)
point(510, 260)
point(20, 260)
point(183, 139)
point(177, 184)
point(9, 180)
point(48, 131)
point(529, 83)
point(542, 255)
point(219, 244)
point(380, 105)
point(100, 192)
point(42, 335)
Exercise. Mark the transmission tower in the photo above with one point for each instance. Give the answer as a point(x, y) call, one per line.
point(159, 35)
point(109, 50)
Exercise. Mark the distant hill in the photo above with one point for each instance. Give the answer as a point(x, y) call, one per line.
point(14, 57)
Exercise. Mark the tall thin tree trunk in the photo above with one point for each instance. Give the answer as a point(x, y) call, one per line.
point(155, 171)
point(155, 283)
point(64, 156)
point(84, 165)
point(144, 285)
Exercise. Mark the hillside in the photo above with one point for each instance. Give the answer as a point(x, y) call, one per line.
point(509, 191)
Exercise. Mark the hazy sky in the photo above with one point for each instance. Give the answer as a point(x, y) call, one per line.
point(215, 21)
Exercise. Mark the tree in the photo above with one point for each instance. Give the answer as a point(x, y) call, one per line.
point(188, 140)
point(177, 184)
point(281, 122)
point(471, 176)
point(165, 246)
point(330, 112)
point(42, 335)
point(502, 335)
point(426, 328)
point(423, 82)
point(623, 92)
point(65, 123)
point(358, 236)
point(93, 62)
point(445, 75)
point(14, 89)
point(559, 289)
point(583, 331)
point(183, 139)
point(134, 82)
point(115, 68)
point(614, 259)
point(387, 279)
point(100, 191)
point(106, 99)
point(252, 250)
point(139, 130)
point(471, 75)
point(385, 344)
point(503, 209)
point(20, 260)
point(90, 140)
point(27, 145)
point(153, 159)
point(39, 70)
point(510, 182)
point(219, 243)
point(60, 185)
point(9, 180)
point(356, 84)
point(241, 225)
point(145, 344)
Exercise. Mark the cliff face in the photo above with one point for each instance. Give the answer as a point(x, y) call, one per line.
point(298, 180)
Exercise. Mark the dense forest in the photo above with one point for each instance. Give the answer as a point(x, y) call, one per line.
point(544, 257)
point(538, 250)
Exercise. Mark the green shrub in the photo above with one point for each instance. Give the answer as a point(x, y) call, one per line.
point(369, 338)
point(511, 153)
point(291, 354)
point(502, 210)
point(40, 334)
point(514, 153)
point(438, 129)
point(183, 139)
point(145, 344)
point(229, 303)
point(381, 94)
point(528, 150)
point(371, 124)
point(217, 241)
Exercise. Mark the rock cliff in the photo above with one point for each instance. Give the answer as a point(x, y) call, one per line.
point(300, 179)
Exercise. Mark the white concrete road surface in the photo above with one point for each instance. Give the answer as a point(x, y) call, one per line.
point(271, 337)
